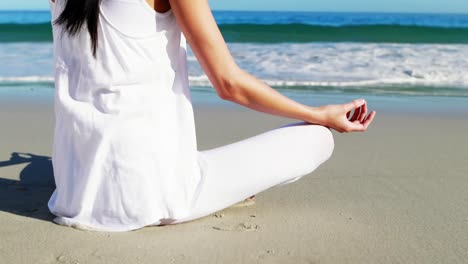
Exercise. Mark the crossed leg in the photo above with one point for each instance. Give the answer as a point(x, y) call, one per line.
point(234, 172)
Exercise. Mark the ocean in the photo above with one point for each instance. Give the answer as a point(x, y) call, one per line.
point(378, 54)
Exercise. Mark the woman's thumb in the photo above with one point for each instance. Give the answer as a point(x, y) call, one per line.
point(354, 104)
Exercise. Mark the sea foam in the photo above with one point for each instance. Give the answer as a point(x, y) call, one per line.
point(431, 69)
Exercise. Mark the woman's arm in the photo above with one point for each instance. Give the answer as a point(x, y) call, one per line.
point(232, 83)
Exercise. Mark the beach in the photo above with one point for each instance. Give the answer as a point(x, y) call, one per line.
point(395, 194)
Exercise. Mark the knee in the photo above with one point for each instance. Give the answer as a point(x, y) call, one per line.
point(320, 136)
point(318, 146)
point(326, 142)
point(318, 139)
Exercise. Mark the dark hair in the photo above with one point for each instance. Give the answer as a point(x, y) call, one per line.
point(76, 13)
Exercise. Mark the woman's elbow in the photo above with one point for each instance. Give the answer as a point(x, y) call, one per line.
point(229, 89)
point(225, 92)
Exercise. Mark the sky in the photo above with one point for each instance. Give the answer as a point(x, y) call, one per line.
point(412, 6)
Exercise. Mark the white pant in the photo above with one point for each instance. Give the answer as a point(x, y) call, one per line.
point(239, 170)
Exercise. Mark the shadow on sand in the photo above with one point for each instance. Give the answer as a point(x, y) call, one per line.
point(28, 196)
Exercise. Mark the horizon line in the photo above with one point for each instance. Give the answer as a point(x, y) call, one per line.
point(279, 11)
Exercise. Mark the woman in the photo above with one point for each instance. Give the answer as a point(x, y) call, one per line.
point(125, 154)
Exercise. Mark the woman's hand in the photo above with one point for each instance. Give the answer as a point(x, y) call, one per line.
point(338, 117)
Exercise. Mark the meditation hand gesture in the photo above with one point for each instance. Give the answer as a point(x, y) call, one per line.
point(338, 118)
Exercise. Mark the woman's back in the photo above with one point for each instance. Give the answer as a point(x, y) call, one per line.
point(125, 149)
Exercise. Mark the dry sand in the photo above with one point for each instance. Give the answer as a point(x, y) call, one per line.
point(396, 194)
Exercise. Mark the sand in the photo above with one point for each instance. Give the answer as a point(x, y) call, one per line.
point(396, 194)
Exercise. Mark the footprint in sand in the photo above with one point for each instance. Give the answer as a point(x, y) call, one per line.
point(239, 228)
point(66, 260)
point(218, 215)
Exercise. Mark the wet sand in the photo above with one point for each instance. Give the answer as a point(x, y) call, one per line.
point(396, 194)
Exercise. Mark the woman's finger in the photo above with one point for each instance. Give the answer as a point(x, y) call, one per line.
point(363, 114)
point(361, 109)
point(354, 104)
point(356, 114)
point(369, 119)
point(355, 126)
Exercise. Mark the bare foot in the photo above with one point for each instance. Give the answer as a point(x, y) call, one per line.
point(247, 202)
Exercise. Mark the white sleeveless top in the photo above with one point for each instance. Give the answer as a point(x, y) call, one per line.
point(124, 152)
